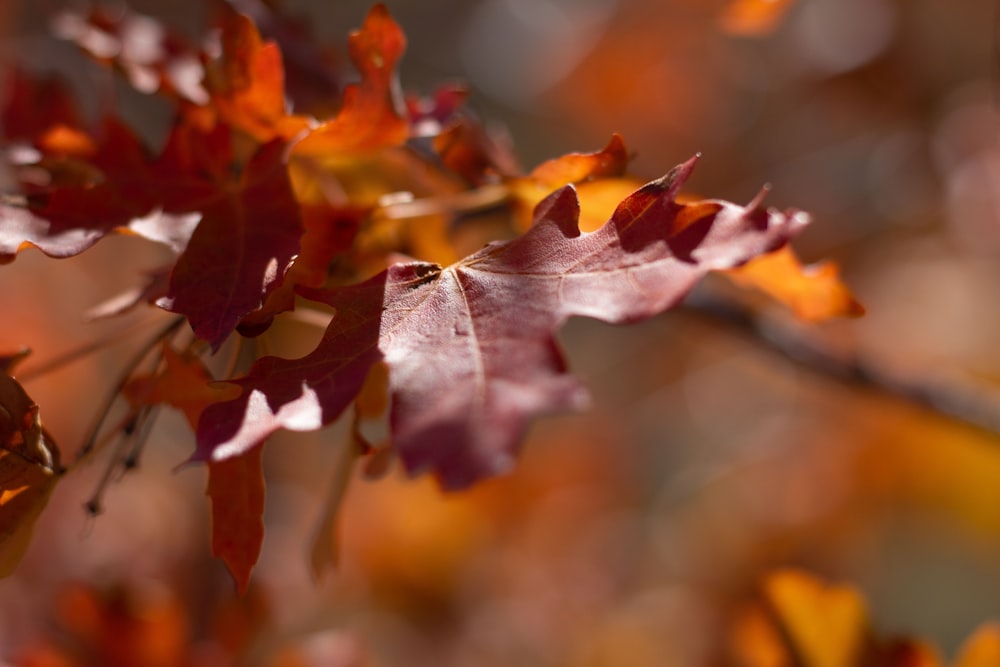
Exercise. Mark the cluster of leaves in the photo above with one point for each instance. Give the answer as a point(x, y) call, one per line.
point(792, 619)
point(798, 619)
point(276, 196)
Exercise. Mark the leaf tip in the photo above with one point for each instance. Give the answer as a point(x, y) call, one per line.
point(562, 208)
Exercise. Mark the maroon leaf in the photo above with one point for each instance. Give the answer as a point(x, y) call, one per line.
point(94, 187)
point(471, 348)
point(240, 250)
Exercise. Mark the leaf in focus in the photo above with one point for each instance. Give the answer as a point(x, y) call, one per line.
point(28, 471)
point(372, 115)
point(753, 18)
point(827, 624)
point(814, 293)
point(471, 348)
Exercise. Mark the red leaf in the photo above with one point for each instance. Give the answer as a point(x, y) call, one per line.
point(32, 106)
point(471, 348)
point(236, 487)
point(96, 186)
point(240, 251)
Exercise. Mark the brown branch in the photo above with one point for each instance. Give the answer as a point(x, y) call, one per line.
point(964, 401)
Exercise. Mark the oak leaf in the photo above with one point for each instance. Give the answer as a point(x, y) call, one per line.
point(372, 115)
point(471, 348)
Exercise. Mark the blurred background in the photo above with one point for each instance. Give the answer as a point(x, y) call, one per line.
point(633, 533)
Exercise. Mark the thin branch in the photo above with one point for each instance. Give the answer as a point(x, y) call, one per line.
point(962, 401)
point(78, 353)
point(116, 389)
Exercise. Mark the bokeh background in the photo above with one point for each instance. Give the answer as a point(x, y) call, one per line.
point(633, 533)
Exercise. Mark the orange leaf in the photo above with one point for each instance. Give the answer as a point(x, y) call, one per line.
point(599, 179)
point(183, 383)
point(826, 624)
point(814, 293)
point(371, 117)
point(236, 487)
point(982, 649)
point(248, 86)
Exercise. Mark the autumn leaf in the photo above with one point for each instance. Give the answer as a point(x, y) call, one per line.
point(29, 470)
point(235, 486)
point(599, 178)
point(34, 105)
point(826, 624)
point(240, 251)
point(247, 84)
point(471, 348)
point(814, 293)
point(372, 115)
point(95, 186)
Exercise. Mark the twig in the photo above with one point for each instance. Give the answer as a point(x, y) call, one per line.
point(961, 401)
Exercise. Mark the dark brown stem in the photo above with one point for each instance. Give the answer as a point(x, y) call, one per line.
point(116, 389)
